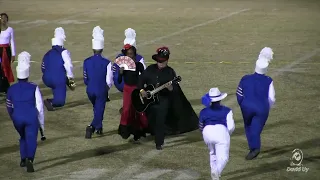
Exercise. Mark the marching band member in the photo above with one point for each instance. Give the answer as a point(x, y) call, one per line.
point(97, 76)
point(57, 70)
point(174, 113)
point(216, 124)
point(130, 35)
point(256, 95)
point(131, 121)
point(25, 107)
point(7, 53)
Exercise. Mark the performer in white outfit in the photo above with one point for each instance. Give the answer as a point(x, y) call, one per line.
point(216, 124)
point(7, 53)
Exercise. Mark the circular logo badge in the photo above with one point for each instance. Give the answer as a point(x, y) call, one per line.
point(297, 157)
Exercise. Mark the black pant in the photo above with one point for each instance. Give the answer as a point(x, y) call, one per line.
point(157, 115)
point(4, 83)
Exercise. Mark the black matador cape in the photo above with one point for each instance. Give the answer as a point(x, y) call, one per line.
point(181, 117)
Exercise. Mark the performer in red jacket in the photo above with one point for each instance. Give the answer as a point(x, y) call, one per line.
point(131, 122)
point(7, 53)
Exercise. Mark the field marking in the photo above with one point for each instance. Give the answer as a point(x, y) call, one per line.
point(170, 35)
point(86, 174)
point(29, 26)
point(212, 62)
point(278, 71)
point(136, 166)
point(289, 67)
point(127, 173)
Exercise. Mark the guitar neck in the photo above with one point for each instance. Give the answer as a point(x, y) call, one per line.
point(159, 88)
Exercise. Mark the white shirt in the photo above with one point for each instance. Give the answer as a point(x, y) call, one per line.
point(272, 95)
point(144, 65)
point(66, 56)
point(230, 122)
point(142, 62)
point(39, 106)
point(7, 37)
point(109, 76)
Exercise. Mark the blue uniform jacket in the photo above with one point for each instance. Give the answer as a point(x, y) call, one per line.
point(213, 115)
point(21, 102)
point(253, 93)
point(53, 67)
point(94, 74)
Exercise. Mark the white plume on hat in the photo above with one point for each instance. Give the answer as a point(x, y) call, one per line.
point(98, 38)
point(23, 65)
point(59, 37)
point(130, 35)
point(266, 53)
point(265, 57)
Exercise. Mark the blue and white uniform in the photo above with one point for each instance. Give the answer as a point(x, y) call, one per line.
point(56, 68)
point(25, 107)
point(97, 76)
point(256, 95)
point(216, 124)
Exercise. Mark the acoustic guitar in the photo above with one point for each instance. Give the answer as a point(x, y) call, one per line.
point(141, 104)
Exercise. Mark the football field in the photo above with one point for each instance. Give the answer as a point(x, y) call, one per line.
point(213, 43)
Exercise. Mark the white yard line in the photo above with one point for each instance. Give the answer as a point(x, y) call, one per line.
point(38, 81)
point(276, 72)
point(26, 27)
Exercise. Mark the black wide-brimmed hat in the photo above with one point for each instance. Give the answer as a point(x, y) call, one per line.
point(162, 55)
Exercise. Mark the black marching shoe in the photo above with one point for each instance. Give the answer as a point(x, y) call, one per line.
point(136, 138)
point(29, 165)
point(253, 154)
point(48, 105)
point(159, 147)
point(23, 163)
point(89, 132)
point(124, 131)
point(100, 132)
point(144, 133)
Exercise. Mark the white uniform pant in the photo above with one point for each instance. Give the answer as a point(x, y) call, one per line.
point(217, 139)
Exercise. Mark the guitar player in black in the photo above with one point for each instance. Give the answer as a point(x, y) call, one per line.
point(168, 115)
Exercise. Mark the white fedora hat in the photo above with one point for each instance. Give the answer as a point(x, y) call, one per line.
point(215, 95)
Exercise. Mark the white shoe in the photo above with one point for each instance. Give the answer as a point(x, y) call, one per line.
point(214, 175)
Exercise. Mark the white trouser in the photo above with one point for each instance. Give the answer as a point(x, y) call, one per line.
point(217, 139)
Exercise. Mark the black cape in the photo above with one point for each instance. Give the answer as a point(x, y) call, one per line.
point(181, 117)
